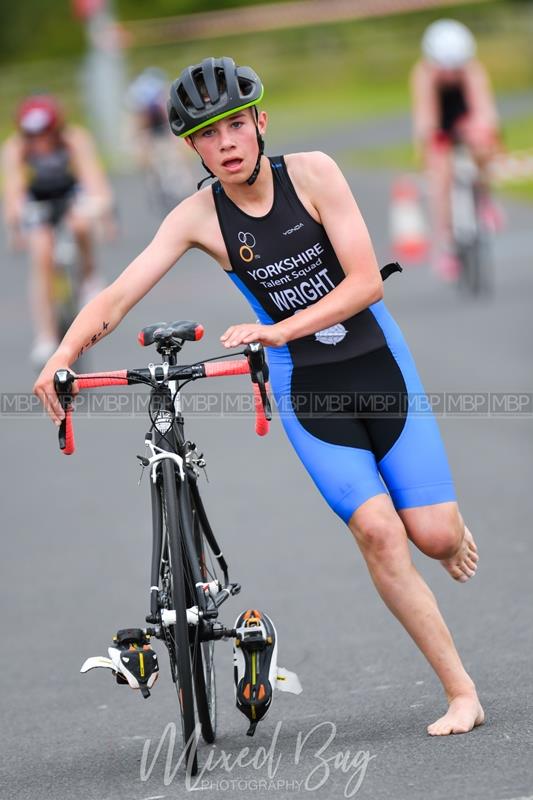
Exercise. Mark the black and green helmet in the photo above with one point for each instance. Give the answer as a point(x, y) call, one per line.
point(212, 90)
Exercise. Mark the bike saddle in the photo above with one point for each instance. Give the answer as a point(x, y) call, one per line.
point(171, 332)
point(131, 660)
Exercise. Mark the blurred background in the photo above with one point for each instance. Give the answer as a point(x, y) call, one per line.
point(74, 564)
point(359, 55)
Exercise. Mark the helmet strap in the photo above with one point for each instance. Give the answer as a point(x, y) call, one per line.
point(204, 165)
point(261, 143)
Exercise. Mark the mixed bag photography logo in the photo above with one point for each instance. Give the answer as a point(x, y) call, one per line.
point(313, 751)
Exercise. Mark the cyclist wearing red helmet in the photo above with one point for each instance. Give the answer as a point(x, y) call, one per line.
point(289, 235)
point(51, 173)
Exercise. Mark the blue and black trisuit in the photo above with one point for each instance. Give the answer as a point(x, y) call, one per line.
point(349, 396)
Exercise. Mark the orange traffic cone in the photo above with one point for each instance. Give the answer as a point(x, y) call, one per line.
point(408, 230)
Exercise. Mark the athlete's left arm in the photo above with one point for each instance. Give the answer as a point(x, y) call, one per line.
point(322, 186)
point(480, 96)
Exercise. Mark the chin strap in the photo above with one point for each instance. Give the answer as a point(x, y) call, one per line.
point(261, 143)
point(204, 165)
point(253, 177)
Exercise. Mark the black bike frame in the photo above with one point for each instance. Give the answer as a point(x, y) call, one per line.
point(189, 501)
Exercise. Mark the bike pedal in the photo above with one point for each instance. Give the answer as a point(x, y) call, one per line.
point(128, 636)
point(131, 660)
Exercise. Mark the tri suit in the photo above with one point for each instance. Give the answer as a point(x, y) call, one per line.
point(349, 396)
point(52, 187)
point(452, 106)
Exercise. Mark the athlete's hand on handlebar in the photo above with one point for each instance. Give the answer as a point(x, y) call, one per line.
point(268, 335)
point(45, 390)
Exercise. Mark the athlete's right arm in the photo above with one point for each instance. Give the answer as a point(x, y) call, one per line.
point(102, 315)
point(14, 183)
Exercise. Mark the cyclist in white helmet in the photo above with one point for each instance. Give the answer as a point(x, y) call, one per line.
point(452, 99)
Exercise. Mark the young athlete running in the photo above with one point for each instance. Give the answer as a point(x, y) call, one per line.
point(452, 101)
point(290, 236)
point(51, 172)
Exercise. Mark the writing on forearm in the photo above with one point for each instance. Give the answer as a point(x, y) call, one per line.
point(94, 338)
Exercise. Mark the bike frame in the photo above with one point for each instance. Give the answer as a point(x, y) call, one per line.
point(167, 442)
point(186, 460)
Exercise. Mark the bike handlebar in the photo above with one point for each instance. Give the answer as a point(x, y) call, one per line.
point(63, 380)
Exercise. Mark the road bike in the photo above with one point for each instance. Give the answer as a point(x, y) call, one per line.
point(469, 233)
point(189, 577)
point(168, 175)
point(65, 279)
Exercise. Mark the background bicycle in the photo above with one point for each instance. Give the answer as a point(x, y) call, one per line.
point(168, 175)
point(471, 237)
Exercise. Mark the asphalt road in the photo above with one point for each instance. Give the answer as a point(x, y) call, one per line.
point(76, 546)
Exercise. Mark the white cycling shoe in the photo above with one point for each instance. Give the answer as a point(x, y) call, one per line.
point(255, 666)
point(132, 660)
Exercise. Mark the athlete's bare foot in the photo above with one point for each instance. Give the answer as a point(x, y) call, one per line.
point(463, 564)
point(464, 713)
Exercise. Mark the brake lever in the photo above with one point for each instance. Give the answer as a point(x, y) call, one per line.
point(63, 380)
point(264, 397)
point(255, 354)
point(259, 372)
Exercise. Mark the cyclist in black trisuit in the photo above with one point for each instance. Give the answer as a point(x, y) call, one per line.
point(289, 234)
point(52, 172)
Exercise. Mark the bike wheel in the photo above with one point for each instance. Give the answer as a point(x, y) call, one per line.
point(178, 634)
point(203, 652)
point(64, 300)
point(475, 266)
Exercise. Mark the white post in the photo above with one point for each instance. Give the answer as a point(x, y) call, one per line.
point(105, 80)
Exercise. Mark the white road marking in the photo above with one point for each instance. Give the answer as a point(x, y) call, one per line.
point(529, 797)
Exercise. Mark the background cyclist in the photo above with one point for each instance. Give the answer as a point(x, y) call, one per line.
point(146, 100)
point(52, 172)
point(452, 100)
point(154, 147)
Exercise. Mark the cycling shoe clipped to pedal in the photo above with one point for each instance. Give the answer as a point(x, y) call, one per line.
point(131, 660)
point(255, 669)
